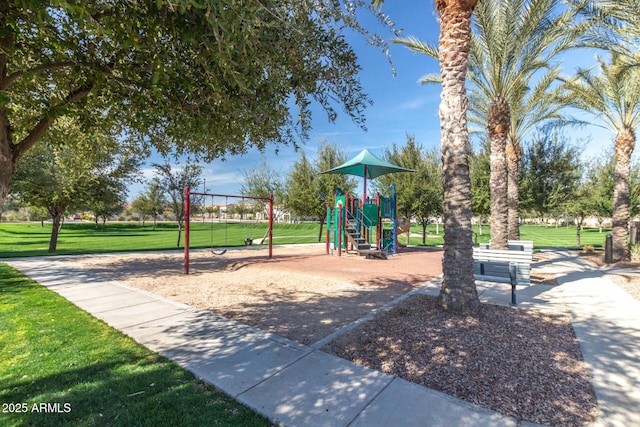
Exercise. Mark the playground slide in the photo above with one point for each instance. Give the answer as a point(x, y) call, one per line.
point(404, 225)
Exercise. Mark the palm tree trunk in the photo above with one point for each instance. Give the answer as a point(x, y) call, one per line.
point(514, 154)
point(458, 290)
point(624, 145)
point(498, 125)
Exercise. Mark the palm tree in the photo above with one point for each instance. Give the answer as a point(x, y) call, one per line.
point(530, 106)
point(458, 290)
point(513, 42)
point(612, 97)
point(612, 25)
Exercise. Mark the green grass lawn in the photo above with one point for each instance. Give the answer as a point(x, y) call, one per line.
point(30, 239)
point(542, 236)
point(90, 374)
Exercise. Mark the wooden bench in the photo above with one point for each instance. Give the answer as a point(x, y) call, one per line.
point(495, 265)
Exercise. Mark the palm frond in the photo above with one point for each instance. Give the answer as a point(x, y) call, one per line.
point(417, 45)
point(430, 79)
point(611, 96)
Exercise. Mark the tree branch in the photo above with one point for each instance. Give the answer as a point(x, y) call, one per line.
point(5, 44)
point(5, 83)
point(102, 14)
point(41, 127)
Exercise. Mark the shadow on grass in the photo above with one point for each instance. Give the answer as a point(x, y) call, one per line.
point(69, 369)
point(129, 392)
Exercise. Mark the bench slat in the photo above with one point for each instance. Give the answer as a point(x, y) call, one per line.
point(513, 245)
point(498, 271)
point(521, 257)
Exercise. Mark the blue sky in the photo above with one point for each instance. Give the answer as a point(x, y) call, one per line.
point(401, 105)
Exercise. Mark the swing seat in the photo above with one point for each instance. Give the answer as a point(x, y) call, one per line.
point(248, 241)
point(222, 252)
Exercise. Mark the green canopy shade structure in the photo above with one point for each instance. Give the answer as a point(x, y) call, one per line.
point(367, 165)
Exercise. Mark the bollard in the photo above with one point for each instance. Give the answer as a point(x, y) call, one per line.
point(513, 279)
point(634, 235)
point(608, 249)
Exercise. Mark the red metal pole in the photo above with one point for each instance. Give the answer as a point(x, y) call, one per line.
point(187, 214)
point(328, 225)
point(270, 225)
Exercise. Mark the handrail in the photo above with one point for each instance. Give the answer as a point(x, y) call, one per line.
point(359, 216)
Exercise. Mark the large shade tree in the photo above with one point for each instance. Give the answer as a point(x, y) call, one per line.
point(53, 177)
point(612, 97)
point(419, 193)
point(309, 191)
point(209, 77)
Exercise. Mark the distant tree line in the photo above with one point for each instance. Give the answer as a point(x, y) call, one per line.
point(555, 183)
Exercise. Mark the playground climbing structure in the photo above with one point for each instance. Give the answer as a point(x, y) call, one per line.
point(369, 228)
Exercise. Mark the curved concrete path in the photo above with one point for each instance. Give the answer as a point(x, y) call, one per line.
point(297, 385)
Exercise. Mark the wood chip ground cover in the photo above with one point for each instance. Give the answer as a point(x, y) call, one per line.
point(521, 363)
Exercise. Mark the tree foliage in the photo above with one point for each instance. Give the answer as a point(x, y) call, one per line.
point(419, 193)
point(479, 171)
point(173, 181)
point(550, 173)
point(208, 77)
point(150, 203)
point(308, 190)
point(54, 177)
point(302, 197)
point(612, 25)
point(263, 182)
point(330, 156)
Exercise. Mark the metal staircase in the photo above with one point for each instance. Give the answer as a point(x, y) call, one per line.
point(355, 237)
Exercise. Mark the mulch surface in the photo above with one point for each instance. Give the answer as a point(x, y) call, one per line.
point(403, 271)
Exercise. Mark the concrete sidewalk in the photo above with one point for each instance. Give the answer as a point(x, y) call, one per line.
point(297, 385)
point(606, 320)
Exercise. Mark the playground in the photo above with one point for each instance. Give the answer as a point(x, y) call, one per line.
point(300, 293)
point(303, 294)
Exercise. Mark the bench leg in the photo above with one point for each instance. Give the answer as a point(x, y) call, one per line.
point(514, 280)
